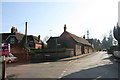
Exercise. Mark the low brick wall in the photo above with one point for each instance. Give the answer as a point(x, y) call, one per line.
point(42, 55)
point(19, 52)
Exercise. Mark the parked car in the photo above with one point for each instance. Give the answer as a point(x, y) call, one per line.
point(10, 58)
point(112, 49)
point(116, 54)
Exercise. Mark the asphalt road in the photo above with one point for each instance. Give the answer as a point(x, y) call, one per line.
point(97, 65)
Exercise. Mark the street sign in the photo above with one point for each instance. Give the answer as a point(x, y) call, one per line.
point(4, 49)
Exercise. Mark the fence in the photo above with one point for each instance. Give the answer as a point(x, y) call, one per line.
point(37, 55)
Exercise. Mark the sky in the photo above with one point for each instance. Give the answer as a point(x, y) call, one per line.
point(47, 18)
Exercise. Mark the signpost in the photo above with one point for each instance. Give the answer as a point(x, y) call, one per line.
point(4, 50)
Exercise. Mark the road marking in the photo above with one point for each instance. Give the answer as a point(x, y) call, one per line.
point(68, 65)
point(62, 74)
point(64, 71)
point(60, 77)
point(46, 63)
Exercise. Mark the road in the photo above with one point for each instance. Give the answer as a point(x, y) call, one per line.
point(97, 65)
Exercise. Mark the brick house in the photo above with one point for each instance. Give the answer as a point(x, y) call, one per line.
point(17, 41)
point(69, 40)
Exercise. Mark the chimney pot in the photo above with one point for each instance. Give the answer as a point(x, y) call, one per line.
point(84, 37)
point(65, 27)
point(38, 38)
point(13, 30)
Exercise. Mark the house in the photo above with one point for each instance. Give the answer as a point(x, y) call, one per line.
point(53, 42)
point(17, 42)
point(69, 40)
point(18, 39)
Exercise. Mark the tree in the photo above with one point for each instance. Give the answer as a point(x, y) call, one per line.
point(45, 39)
point(97, 44)
point(104, 43)
point(110, 39)
point(107, 42)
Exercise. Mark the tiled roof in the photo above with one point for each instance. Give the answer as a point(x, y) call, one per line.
point(79, 39)
point(52, 38)
point(34, 38)
point(4, 36)
point(19, 36)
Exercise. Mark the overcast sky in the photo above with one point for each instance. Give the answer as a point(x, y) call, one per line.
point(47, 18)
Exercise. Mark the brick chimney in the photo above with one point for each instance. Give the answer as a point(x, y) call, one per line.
point(38, 38)
point(65, 27)
point(26, 28)
point(84, 37)
point(14, 30)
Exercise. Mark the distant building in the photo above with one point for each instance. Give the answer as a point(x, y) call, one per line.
point(69, 40)
point(91, 42)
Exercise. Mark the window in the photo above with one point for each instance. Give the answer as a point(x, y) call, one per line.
point(12, 40)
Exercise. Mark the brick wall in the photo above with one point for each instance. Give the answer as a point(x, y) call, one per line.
point(78, 50)
point(19, 52)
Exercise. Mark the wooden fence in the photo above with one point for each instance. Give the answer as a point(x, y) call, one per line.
point(37, 55)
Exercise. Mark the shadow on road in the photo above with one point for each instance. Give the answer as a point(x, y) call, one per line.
point(111, 58)
point(95, 73)
point(103, 72)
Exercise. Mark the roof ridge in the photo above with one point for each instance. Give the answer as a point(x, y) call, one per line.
point(75, 35)
point(77, 38)
point(19, 33)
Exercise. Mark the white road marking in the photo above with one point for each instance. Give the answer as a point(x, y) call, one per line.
point(46, 63)
point(68, 65)
point(64, 71)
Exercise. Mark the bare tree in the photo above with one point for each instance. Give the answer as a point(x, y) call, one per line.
point(45, 39)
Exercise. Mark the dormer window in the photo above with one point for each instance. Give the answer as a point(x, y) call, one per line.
point(12, 40)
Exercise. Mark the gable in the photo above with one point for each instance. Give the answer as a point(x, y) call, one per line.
point(4, 36)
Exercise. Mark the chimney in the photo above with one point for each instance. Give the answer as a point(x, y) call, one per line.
point(38, 38)
point(13, 30)
point(65, 27)
point(84, 37)
point(25, 28)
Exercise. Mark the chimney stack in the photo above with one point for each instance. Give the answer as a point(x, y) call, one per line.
point(25, 28)
point(65, 27)
point(38, 38)
point(13, 30)
point(84, 37)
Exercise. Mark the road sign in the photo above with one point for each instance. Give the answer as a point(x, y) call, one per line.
point(4, 49)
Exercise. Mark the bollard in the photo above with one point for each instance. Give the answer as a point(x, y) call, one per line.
point(4, 69)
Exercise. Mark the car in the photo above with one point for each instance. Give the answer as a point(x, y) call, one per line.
point(112, 49)
point(116, 54)
point(104, 50)
point(10, 58)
